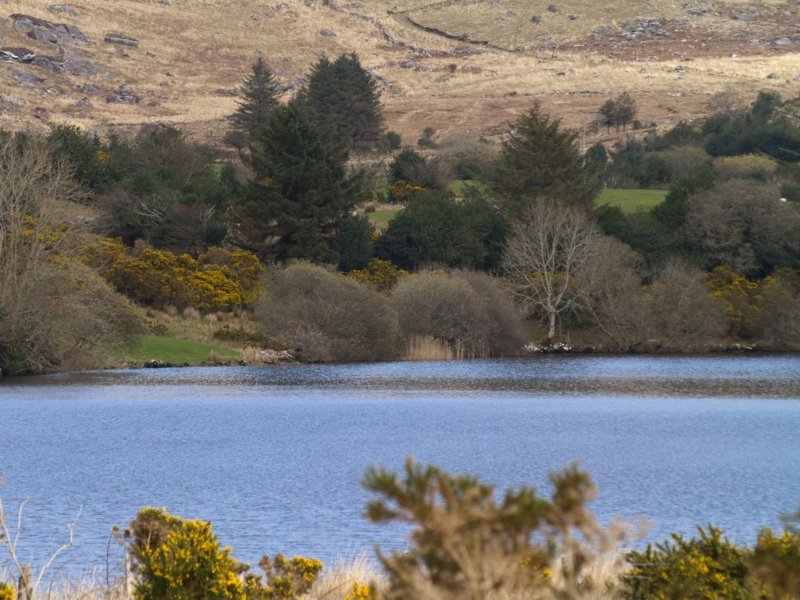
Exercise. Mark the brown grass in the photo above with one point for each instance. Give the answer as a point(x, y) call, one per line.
point(193, 52)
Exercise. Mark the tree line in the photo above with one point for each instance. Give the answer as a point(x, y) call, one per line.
point(715, 264)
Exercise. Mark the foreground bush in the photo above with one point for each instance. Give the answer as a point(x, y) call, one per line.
point(327, 316)
point(466, 543)
point(174, 559)
point(6, 592)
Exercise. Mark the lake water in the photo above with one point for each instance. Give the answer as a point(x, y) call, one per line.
point(273, 455)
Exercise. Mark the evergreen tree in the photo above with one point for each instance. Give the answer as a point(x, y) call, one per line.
point(540, 158)
point(259, 97)
point(343, 97)
point(300, 193)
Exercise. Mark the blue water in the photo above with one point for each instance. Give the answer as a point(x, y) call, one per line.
point(273, 455)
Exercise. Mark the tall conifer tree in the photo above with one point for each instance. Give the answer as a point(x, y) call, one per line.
point(259, 97)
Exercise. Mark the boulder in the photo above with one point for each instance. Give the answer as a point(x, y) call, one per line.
point(47, 31)
point(120, 39)
point(46, 62)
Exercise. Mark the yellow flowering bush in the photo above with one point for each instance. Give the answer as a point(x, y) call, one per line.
point(402, 190)
point(776, 563)
point(382, 274)
point(359, 591)
point(219, 280)
point(707, 568)
point(177, 559)
point(741, 296)
point(6, 592)
point(284, 578)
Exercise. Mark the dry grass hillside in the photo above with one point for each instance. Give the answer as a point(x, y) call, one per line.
point(463, 67)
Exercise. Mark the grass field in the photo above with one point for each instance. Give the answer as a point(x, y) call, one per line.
point(631, 201)
point(179, 352)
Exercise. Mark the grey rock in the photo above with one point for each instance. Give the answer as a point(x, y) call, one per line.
point(604, 30)
point(327, 33)
point(784, 41)
point(26, 79)
point(772, 76)
point(156, 363)
point(121, 39)
point(257, 17)
point(90, 89)
point(78, 63)
point(43, 35)
point(41, 113)
point(84, 103)
point(572, 18)
point(165, 2)
point(552, 8)
point(64, 9)
point(536, 19)
point(282, 6)
point(51, 64)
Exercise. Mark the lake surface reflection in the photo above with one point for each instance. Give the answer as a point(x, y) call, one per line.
point(273, 456)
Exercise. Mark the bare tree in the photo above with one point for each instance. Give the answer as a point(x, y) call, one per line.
point(545, 255)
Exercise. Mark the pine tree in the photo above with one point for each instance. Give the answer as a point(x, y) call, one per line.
point(540, 158)
point(259, 97)
point(301, 191)
point(343, 97)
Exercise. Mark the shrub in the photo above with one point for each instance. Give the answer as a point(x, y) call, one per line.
point(284, 578)
point(754, 166)
point(466, 310)
point(776, 563)
point(175, 559)
point(468, 542)
point(708, 567)
point(326, 315)
point(7, 592)
point(380, 273)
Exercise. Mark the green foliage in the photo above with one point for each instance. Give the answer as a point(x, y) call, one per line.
point(618, 111)
point(326, 316)
point(353, 242)
point(425, 172)
point(176, 559)
point(284, 578)
point(755, 166)
point(435, 228)
point(541, 158)
point(391, 140)
point(301, 191)
point(342, 98)
point(708, 567)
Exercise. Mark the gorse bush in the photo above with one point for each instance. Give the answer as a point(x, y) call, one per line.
point(6, 591)
point(175, 559)
point(218, 280)
point(284, 578)
point(709, 567)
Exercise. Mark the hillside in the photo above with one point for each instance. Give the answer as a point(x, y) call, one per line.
point(463, 67)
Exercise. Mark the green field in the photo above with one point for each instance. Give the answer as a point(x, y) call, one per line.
point(631, 201)
point(178, 352)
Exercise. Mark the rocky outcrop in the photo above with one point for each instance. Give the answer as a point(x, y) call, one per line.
point(14, 54)
point(48, 32)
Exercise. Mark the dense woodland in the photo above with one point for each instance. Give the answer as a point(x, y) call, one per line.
point(491, 246)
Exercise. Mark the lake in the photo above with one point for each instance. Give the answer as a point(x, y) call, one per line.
point(273, 455)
